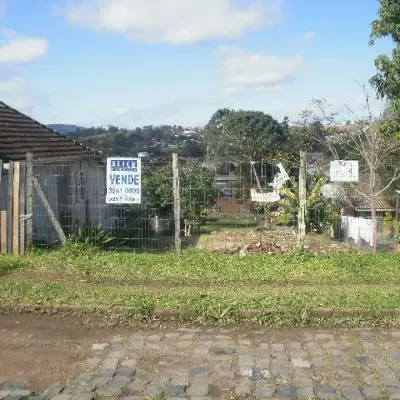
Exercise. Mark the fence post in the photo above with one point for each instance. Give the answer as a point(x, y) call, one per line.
point(177, 203)
point(10, 182)
point(301, 228)
point(22, 204)
point(15, 216)
point(29, 201)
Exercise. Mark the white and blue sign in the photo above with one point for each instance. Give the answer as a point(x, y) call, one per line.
point(124, 181)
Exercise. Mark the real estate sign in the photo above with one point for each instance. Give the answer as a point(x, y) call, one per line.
point(344, 171)
point(124, 184)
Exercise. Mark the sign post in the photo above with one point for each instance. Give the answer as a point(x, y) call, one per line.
point(124, 181)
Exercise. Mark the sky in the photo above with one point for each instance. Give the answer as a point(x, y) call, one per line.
point(140, 62)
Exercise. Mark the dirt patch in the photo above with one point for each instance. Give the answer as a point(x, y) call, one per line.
point(258, 248)
point(264, 241)
point(44, 351)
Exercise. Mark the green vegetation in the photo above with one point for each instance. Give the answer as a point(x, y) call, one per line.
point(211, 287)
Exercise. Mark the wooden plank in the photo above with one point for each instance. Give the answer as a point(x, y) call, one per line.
point(10, 206)
point(49, 210)
point(177, 203)
point(22, 221)
point(3, 227)
point(29, 201)
point(15, 216)
point(1, 176)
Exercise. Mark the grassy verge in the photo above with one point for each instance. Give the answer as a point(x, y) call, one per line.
point(209, 286)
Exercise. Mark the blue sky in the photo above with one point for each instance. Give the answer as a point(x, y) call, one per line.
point(136, 62)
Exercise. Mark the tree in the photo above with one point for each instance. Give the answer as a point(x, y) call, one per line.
point(387, 79)
point(375, 147)
point(243, 135)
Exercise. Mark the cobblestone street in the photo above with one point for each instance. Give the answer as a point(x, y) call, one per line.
point(205, 363)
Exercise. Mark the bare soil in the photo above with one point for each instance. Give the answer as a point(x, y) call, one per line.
point(44, 350)
point(277, 240)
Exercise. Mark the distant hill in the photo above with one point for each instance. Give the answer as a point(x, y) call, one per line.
point(65, 128)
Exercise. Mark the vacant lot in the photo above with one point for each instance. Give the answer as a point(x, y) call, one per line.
point(213, 287)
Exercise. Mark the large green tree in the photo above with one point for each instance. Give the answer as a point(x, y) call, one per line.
point(243, 135)
point(387, 79)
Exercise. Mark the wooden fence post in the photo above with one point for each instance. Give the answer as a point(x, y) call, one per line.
point(22, 213)
point(3, 224)
point(3, 217)
point(15, 215)
point(301, 228)
point(10, 183)
point(177, 203)
point(29, 201)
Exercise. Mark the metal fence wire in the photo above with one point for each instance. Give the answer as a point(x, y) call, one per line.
point(217, 211)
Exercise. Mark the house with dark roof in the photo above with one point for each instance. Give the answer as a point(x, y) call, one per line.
point(71, 176)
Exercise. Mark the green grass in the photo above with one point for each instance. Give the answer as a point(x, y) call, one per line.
point(212, 286)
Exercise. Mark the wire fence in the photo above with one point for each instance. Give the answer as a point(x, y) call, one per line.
point(218, 213)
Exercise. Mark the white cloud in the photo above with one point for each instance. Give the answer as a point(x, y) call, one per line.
point(309, 36)
point(174, 21)
point(243, 70)
point(15, 48)
point(16, 92)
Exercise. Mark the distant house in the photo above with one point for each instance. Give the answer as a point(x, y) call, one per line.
point(71, 176)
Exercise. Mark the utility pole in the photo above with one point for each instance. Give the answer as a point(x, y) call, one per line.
point(301, 220)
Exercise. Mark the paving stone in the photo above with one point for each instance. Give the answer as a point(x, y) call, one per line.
point(53, 390)
point(62, 397)
point(101, 382)
point(263, 363)
point(277, 348)
point(126, 372)
point(14, 385)
point(305, 393)
point(131, 398)
point(326, 392)
point(301, 363)
point(4, 393)
point(110, 363)
point(352, 393)
point(286, 391)
point(224, 351)
point(93, 362)
point(201, 398)
point(137, 345)
point(13, 397)
point(198, 389)
point(154, 338)
point(243, 387)
point(176, 390)
point(363, 360)
point(324, 336)
point(264, 391)
point(110, 391)
point(154, 390)
point(99, 346)
point(395, 396)
point(246, 371)
point(390, 381)
point(372, 392)
point(136, 387)
point(201, 351)
point(198, 371)
point(246, 360)
point(84, 396)
point(130, 363)
point(261, 375)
